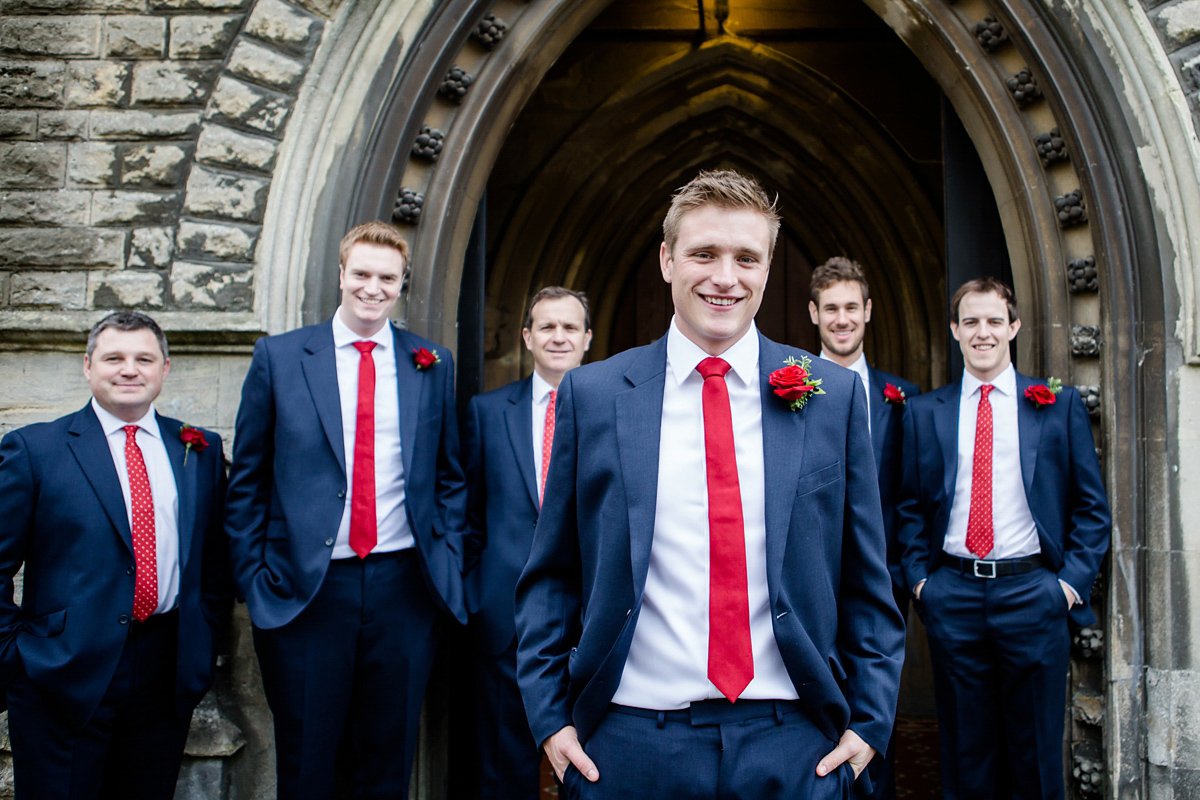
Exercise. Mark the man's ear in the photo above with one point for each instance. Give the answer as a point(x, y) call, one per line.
point(812, 313)
point(664, 261)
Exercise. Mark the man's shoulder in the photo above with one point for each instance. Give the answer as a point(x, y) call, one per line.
point(938, 398)
point(612, 370)
point(407, 339)
point(295, 339)
point(40, 431)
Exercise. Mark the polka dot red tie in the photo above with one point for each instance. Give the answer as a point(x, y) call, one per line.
point(547, 441)
point(980, 535)
point(364, 530)
point(145, 584)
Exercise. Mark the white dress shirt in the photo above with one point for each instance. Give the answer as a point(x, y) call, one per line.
point(667, 667)
point(163, 494)
point(1015, 531)
point(390, 514)
point(541, 405)
point(859, 366)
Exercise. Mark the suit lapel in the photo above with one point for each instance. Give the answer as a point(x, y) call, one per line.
point(320, 371)
point(945, 421)
point(185, 482)
point(518, 418)
point(410, 383)
point(782, 433)
point(1029, 432)
point(90, 448)
point(881, 413)
point(639, 428)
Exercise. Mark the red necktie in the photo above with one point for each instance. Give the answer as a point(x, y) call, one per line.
point(979, 522)
point(730, 656)
point(363, 528)
point(547, 441)
point(145, 582)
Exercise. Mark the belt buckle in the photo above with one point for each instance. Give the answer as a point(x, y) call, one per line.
point(990, 564)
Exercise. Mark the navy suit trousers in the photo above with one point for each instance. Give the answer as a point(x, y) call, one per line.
point(346, 679)
point(510, 760)
point(1000, 649)
point(751, 749)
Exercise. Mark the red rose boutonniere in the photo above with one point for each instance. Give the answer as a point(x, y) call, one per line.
point(1042, 396)
point(191, 437)
point(794, 382)
point(894, 395)
point(424, 359)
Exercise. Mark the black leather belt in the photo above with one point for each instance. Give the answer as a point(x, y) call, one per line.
point(997, 568)
point(714, 712)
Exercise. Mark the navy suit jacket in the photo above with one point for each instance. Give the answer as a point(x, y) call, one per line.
point(62, 515)
point(1059, 468)
point(887, 433)
point(578, 600)
point(502, 507)
point(288, 482)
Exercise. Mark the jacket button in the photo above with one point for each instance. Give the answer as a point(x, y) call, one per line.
point(329, 542)
point(342, 494)
point(123, 619)
point(129, 570)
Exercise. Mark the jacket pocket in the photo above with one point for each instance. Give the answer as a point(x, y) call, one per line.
point(46, 625)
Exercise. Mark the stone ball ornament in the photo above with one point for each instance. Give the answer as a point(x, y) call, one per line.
point(1085, 341)
point(490, 31)
point(1070, 209)
point(1089, 642)
point(454, 86)
point(1024, 88)
point(990, 33)
point(1082, 275)
point(1089, 775)
point(1051, 148)
point(1091, 400)
point(408, 207)
point(428, 144)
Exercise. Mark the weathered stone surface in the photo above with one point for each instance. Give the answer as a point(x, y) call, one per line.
point(200, 778)
point(205, 286)
point(63, 124)
point(265, 66)
point(243, 105)
point(125, 288)
point(144, 124)
point(92, 164)
point(18, 123)
point(62, 247)
point(212, 734)
point(50, 36)
point(1179, 23)
point(226, 147)
point(154, 165)
point(326, 8)
point(239, 197)
point(283, 25)
point(197, 5)
point(206, 240)
point(151, 247)
point(55, 208)
point(202, 36)
point(56, 289)
point(95, 83)
point(69, 6)
point(32, 165)
point(31, 84)
point(131, 36)
point(109, 208)
point(168, 83)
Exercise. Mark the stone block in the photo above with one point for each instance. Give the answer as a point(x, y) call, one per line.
point(1179, 23)
point(169, 83)
point(229, 148)
point(92, 164)
point(115, 208)
point(63, 124)
point(202, 36)
point(151, 247)
point(211, 241)
point(41, 208)
point(262, 65)
point(128, 124)
point(62, 247)
point(32, 165)
point(69, 6)
point(220, 194)
point(154, 165)
point(132, 36)
point(200, 779)
point(31, 84)
point(284, 25)
point(228, 287)
point(95, 83)
point(198, 5)
point(326, 8)
point(56, 289)
point(18, 123)
point(212, 735)
point(125, 288)
point(50, 36)
point(245, 106)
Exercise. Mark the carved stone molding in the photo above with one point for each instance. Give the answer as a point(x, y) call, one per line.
point(1087, 707)
point(1024, 88)
point(990, 33)
point(1085, 341)
point(489, 31)
point(1051, 148)
point(1089, 643)
point(454, 87)
point(408, 206)
point(428, 144)
point(1088, 772)
point(1082, 275)
point(1070, 209)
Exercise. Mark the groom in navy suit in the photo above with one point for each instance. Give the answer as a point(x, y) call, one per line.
point(115, 512)
point(1003, 520)
point(346, 512)
point(507, 451)
point(706, 608)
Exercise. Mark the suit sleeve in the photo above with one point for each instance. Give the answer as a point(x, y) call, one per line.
point(870, 629)
point(247, 510)
point(474, 467)
point(451, 491)
point(911, 531)
point(549, 592)
point(18, 498)
point(1090, 524)
point(216, 580)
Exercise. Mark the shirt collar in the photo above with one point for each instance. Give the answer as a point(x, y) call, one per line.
point(343, 336)
point(111, 423)
point(1005, 382)
point(683, 355)
point(859, 365)
point(541, 388)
